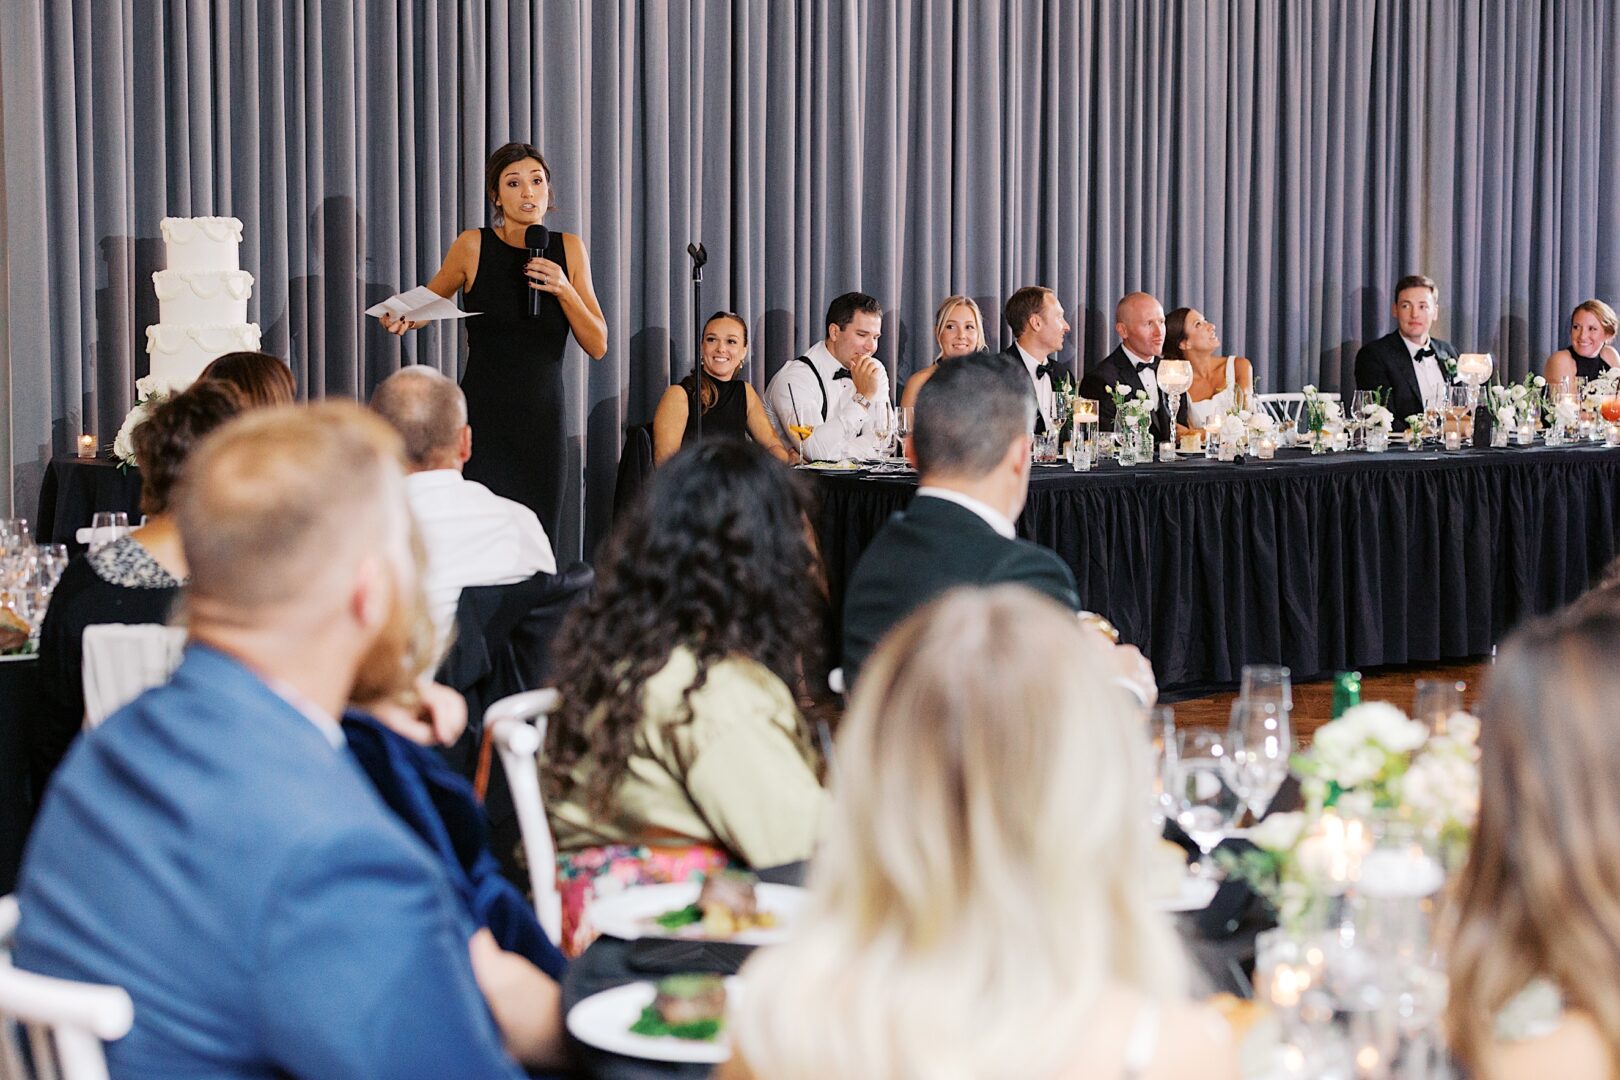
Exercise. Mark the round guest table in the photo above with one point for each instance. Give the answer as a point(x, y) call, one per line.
point(1321, 563)
point(74, 489)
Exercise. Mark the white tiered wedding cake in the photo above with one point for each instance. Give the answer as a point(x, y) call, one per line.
point(202, 301)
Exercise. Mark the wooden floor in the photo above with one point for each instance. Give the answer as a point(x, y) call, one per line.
point(1313, 702)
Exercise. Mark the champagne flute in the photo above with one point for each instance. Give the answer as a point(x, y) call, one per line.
point(1206, 804)
point(904, 418)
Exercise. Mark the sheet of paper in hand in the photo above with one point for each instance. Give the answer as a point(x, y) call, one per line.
point(420, 304)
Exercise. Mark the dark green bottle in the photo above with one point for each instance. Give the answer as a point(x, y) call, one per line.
point(1346, 692)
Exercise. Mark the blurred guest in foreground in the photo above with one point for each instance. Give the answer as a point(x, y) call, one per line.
point(263, 380)
point(730, 405)
point(679, 747)
point(1591, 353)
point(272, 916)
point(472, 535)
point(135, 579)
point(978, 909)
point(1217, 380)
point(1535, 954)
point(971, 450)
point(958, 331)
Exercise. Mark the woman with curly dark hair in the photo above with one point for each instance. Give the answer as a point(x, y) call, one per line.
point(679, 748)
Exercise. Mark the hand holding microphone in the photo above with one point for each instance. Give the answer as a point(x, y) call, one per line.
point(544, 275)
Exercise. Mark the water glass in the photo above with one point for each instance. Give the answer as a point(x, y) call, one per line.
point(1272, 683)
point(1435, 700)
point(1205, 803)
point(1161, 733)
point(1260, 746)
point(106, 527)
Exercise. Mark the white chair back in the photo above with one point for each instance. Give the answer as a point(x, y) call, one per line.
point(1286, 409)
point(64, 1023)
point(517, 725)
point(124, 660)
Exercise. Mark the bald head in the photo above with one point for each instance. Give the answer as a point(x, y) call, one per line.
point(430, 413)
point(1139, 322)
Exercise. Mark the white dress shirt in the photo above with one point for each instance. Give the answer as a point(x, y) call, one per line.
point(473, 537)
point(1431, 380)
point(846, 431)
point(989, 514)
point(1043, 387)
point(1149, 377)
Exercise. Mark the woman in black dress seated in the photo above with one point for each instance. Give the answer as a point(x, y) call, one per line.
point(514, 375)
point(1591, 353)
point(135, 579)
point(731, 407)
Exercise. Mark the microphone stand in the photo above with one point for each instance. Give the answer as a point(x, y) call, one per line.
point(694, 406)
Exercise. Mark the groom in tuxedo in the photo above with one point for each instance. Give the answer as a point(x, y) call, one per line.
point(971, 447)
point(1139, 322)
point(1413, 367)
point(1039, 329)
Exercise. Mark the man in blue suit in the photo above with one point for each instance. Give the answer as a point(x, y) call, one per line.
point(215, 849)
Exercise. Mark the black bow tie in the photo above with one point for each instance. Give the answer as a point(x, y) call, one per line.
point(1427, 350)
point(1050, 369)
point(1146, 365)
point(842, 373)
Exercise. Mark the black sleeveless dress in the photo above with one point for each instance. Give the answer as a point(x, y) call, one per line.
point(728, 416)
point(1588, 367)
point(514, 381)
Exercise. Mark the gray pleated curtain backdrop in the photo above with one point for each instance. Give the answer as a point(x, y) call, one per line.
point(1276, 164)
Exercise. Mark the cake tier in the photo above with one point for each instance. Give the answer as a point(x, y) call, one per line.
point(203, 243)
point(202, 297)
point(179, 353)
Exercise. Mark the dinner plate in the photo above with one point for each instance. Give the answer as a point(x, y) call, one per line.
point(831, 466)
point(629, 915)
point(1195, 895)
point(603, 1020)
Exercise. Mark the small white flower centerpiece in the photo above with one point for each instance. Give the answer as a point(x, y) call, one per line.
point(148, 395)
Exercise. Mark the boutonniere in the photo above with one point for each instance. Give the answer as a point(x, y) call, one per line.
point(1451, 367)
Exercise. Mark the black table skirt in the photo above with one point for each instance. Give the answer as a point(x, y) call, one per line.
point(1322, 564)
point(74, 489)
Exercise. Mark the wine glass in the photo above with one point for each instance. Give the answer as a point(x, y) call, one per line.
point(1260, 744)
point(1458, 412)
point(1271, 683)
point(904, 418)
point(107, 526)
point(1206, 804)
point(883, 428)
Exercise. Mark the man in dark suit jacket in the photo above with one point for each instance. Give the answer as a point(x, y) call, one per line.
point(1139, 322)
point(1039, 328)
point(215, 848)
point(1412, 367)
point(971, 447)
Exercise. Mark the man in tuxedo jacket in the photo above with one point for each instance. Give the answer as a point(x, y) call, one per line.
point(1414, 368)
point(216, 850)
point(971, 446)
point(1039, 329)
point(1139, 322)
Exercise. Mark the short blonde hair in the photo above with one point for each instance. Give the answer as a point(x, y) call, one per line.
point(943, 312)
point(984, 872)
point(277, 499)
point(1600, 311)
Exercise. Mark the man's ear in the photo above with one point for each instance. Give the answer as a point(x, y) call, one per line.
point(1017, 457)
point(911, 451)
point(370, 592)
point(464, 444)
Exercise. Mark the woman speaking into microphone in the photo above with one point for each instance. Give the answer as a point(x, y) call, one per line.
point(530, 288)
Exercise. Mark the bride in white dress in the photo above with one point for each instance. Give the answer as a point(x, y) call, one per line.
point(1216, 379)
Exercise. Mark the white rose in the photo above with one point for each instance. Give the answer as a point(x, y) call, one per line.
point(1518, 393)
point(1387, 726)
point(1463, 727)
point(1278, 832)
point(1231, 428)
point(123, 443)
point(1332, 409)
point(1310, 391)
point(1541, 380)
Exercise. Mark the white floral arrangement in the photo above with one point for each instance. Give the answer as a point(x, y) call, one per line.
point(1503, 402)
point(1233, 428)
point(1372, 761)
point(148, 395)
point(1567, 413)
point(1130, 402)
point(1260, 422)
point(1320, 411)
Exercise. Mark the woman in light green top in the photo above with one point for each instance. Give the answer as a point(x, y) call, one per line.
point(679, 747)
point(1534, 958)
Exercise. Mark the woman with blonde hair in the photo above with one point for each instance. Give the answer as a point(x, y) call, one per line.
point(958, 331)
point(1590, 353)
point(1535, 953)
point(979, 907)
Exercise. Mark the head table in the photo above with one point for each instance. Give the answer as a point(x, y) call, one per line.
point(1321, 563)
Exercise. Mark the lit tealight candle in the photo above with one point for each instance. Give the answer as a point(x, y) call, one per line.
point(1267, 448)
point(1527, 434)
point(1167, 451)
point(1453, 440)
point(87, 446)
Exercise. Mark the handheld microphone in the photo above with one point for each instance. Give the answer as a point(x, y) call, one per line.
point(536, 237)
